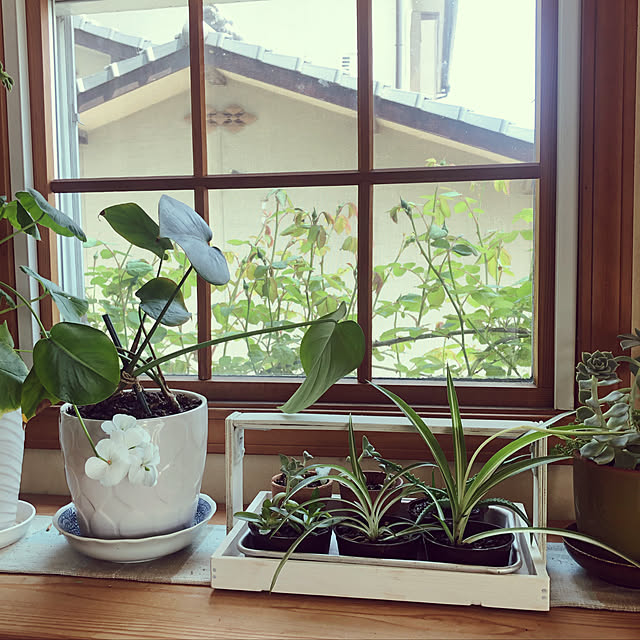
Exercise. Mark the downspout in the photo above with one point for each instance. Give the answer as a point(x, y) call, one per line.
point(400, 10)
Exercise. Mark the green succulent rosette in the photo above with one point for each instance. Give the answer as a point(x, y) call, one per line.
point(600, 364)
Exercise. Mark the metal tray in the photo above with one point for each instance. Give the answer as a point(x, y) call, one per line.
point(497, 515)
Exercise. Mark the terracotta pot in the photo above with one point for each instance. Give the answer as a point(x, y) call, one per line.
point(306, 493)
point(135, 511)
point(11, 453)
point(607, 502)
point(376, 477)
point(494, 552)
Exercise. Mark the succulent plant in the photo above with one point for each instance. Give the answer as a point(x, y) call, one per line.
point(612, 413)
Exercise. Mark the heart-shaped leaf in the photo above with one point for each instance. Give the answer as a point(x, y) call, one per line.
point(20, 219)
point(153, 297)
point(34, 397)
point(185, 227)
point(77, 363)
point(47, 215)
point(132, 223)
point(12, 374)
point(328, 351)
point(71, 308)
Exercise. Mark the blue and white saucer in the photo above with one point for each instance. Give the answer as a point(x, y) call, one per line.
point(131, 549)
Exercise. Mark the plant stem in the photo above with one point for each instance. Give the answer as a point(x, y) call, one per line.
point(86, 433)
point(27, 304)
point(148, 336)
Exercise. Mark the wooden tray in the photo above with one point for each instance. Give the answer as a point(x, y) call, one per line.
point(526, 588)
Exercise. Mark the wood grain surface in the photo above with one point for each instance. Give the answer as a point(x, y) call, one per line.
point(65, 607)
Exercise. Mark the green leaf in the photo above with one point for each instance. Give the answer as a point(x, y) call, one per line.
point(185, 227)
point(436, 297)
point(138, 268)
point(132, 223)
point(71, 308)
point(5, 335)
point(34, 396)
point(153, 297)
point(464, 250)
point(12, 374)
point(20, 219)
point(457, 431)
point(48, 216)
point(77, 364)
point(328, 351)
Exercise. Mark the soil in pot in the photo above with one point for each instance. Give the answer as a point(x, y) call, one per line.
point(323, 487)
point(316, 542)
point(375, 480)
point(127, 402)
point(489, 552)
point(354, 543)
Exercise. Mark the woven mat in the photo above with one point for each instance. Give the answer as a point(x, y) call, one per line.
point(45, 551)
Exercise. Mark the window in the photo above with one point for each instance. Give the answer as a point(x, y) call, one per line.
point(605, 112)
point(415, 187)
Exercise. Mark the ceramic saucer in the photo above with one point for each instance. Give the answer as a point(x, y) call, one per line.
point(131, 549)
point(25, 514)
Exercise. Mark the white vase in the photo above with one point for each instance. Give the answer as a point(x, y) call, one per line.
point(11, 453)
point(132, 510)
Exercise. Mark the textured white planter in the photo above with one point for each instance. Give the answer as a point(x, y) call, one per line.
point(11, 452)
point(136, 511)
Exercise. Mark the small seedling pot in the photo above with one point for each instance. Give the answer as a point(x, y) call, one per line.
point(376, 478)
point(490, 552)
point(324, 490)
point(316, 542)
point(409, 548)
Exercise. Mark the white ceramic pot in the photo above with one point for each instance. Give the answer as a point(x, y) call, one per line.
point(132, 510)
point(11, 452)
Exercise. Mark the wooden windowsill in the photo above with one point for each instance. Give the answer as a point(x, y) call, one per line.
point(70, 607)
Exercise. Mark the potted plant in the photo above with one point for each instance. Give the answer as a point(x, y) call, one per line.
point(20, 395)
point(284, 523)
point(293, 471)
point(606, 467)
point(134, 458)
point(464, 492)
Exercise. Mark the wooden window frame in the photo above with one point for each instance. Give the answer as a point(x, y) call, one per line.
point(608, 78)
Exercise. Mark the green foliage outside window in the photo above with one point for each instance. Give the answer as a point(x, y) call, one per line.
point(445, 298)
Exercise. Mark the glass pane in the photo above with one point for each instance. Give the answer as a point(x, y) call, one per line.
point(292, 256)
point(108, 271)
point(456, 82)
point(453, 280)
point(281, 86)
point(123, 89)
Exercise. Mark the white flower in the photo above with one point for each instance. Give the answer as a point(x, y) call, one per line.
point(119, 422)
point(114, 466)
point(143, 469)
point(131, 438)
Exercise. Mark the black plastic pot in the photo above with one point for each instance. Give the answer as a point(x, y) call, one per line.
point(416, 506)
point(490, 552)
point(410, 548)
point(316, 542)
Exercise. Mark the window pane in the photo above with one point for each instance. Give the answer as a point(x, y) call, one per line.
point(281, 94)
point(453, 280)
point(113, 270)
point(455, 82)
point(123, 89)
point(292, 256)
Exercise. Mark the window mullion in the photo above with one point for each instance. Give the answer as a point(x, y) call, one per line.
point(365, 188)
point(199, 144)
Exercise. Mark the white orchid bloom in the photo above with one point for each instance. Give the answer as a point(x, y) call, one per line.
point(119, 423)
point(143, 468)
point(112, 465)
